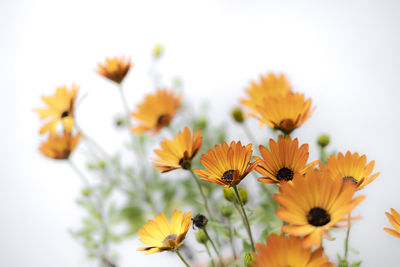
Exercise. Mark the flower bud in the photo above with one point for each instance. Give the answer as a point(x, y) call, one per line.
point(243, 195)
point(85, 192)
point(229, 194)
point(227, 211)
point(200, 221)
point(157, 50)
point(237, 115)
point(102, 164)
point(323, 140)
point(201, 237)
point(248, 258)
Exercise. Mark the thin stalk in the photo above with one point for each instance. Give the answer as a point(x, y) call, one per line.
point(346, 241)
point(202, 193)
point(125, 104)
point(244, 217)
point(231, 240)
point(209, 254)
point(248, 133)
point(214, 247)
point(182, 259)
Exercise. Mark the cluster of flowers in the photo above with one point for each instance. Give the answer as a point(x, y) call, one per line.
point(312, 200)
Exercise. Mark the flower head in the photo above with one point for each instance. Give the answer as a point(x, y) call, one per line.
point(270, 85)
point(157, 111)
point(178, 152)
point(394, 219)
point(350, 167)
point(114, 69)
point(288, 251)
point(284, 113)
point(283, 160)
point(226, 165)
point(60, 146)
point(313, 204)
point(59, 111)
point(162, 235)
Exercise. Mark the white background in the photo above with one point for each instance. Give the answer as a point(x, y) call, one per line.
point(343, 54)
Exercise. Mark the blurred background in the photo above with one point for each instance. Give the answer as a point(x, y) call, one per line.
point(343, 54)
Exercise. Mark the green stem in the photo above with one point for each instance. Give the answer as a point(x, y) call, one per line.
point(346, 241)
point(248, 133)
point(214, 247)
point(209, 254)
point(231, 239)
point(125, 104)
point(182, 259)
point(202, 193)
point(244, 217)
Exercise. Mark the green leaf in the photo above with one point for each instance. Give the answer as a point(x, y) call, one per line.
point(356, 264)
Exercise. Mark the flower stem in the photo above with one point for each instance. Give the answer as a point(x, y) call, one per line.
point(248, 133)
point(231, 239)
point(182, 259)
point(346, 241)
point(125, 104)
point(244, 217)
point(214, 247)
point(202, 193)
point(209, 254)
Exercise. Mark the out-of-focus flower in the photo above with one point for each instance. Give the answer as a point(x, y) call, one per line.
point(270, 85)
point(59, 111)
point(284, 113)
point(60, 146)
point(288, 251)
point(157, 111)
point(313, 204)
point(178, 152)
point(226, 165)
point(200, 221)
point(394, 219)
point(114, 69)
point(162, 235)
point(350, 167)
point(283, 160)
point(158, 50)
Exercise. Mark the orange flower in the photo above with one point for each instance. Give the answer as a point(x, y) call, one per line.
point(179, 152)
point(226, 165)
point(284, 113)
point(394, 219)
point(60, 110)
point(60, 146)
point(157, 111)
point(288, 251)
point(114, 69)
point(313, 204)
point(270, 85)
point(350, 167)
point(283, 160)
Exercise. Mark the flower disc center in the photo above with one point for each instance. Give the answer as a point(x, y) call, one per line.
point(228, 176)
point(318, 217)
point(163, 120)
point(285, 174)
point(65, 114)
point(170, 240)
point(349, 178)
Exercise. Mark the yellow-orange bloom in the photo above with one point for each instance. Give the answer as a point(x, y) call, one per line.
point(284, 113)
point(114, 69)
point(270, 85)
point(226, 165)
point(282, 251)
point(60, 146)
point(283, 160)
point(394, 219)
point(157, 111)
point(179, 152)
point(162, 235)
point(350, 167)
point(313, 204)
point(59, 111)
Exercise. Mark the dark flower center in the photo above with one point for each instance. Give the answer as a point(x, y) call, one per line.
point(65, 114)
point(349, 178)
point(163, 120)
point(185, 163)
point(200, 221)
point(228, 176)
point(318, 217)
point(284, 174)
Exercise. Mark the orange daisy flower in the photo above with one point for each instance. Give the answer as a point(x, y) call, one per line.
point(313, 204)
point(350, 167)
point(114, 69)
point(227, 165)
point(284, 113)
point(60, 146)
point(179, 152)
point(288, 251)
point(283, 160)
point(270, 85)
point(394, 219)
point(157, 111)
point(59, 111)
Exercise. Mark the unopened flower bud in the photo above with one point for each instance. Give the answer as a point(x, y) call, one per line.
point(243, 195)
point(323, 140)
point(229, 194)
point(248, 258)
point(237, 115)
point(102, 164)
point(157, 50)
point(227, 211)
point(85, 192)
point(201, 237)
point(200, 221)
